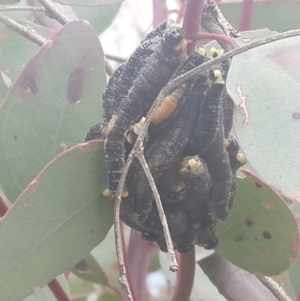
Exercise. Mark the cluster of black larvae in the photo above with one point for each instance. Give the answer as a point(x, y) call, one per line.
point(190, 154)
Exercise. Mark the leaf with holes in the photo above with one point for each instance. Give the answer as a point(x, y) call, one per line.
point(51, 105)
point(58, 219)
point(88, 2)
point(264, 84)
point(261, 234)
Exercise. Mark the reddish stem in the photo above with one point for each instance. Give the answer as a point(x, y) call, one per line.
point(3, 207)
point(215, 36)
point(192, 21)
point(185, 277)
point(160, 12)
point(139, 256)
point(67, 273)
point(246, 15)
point(180, 13)
point(58, 291)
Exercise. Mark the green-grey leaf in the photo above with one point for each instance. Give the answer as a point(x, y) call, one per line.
point(99, 17)
point(261, 234)
point(51, 105)
point(264, 85)
point(286, 13)
point(56, 222)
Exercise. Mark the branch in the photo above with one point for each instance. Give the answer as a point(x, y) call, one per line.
point(161, 213)
point(18, 8)
point(27, 32)
point(52, 12)
point(274, 287)
point(120, 255)
point(233, 283)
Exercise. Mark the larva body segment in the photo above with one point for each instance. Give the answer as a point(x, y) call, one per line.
point(168, 54)
point(124, 76)
point(162, 154)
point(198, 185)
point(208, 115)
point(217, 160)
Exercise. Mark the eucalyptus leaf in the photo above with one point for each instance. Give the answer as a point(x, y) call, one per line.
point(51, 105)
point(261, 234)
point(263, 83)
point(56, 222)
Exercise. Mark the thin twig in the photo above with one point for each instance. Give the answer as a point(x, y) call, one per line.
point(25, 31)
point(18, 8)
point(53, 13)
point(161, 213)
point(58, 291)
point(274, 287)
point(122, 269)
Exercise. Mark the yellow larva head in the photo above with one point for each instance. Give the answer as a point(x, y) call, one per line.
point(226, 142)
point(180, 187)
point(218, 75)
point(142, 121)
point(241, 158)
point(193, 164)
point(214, 52)
point(201, 50)
point(107, 193)
point(125, 194)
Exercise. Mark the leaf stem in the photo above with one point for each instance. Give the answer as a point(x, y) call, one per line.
point(192, 21)
point(27, 32)
point(274, 287)
point(3, 207)
point(139, 256)
point(246, 15)
point(58, 291)
point(185, 276)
